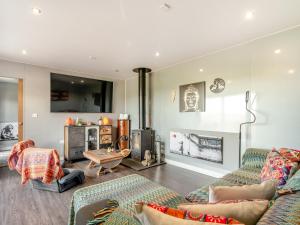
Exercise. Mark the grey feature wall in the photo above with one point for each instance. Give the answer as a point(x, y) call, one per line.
point(47, 130)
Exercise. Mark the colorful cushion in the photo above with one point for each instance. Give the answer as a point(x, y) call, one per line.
point(291, 154)
point(279, 167)
point(247, 212)
point(154, 214)
point(265, 190)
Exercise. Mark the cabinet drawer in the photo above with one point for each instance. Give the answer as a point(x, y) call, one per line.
point(76, 153)
point(105, 130)
point(76, 137)
point(105, 139)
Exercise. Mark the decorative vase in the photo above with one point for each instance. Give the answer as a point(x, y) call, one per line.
point(69, 121)
point(106, 121)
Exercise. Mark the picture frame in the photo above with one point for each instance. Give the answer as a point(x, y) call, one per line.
point(192, 97)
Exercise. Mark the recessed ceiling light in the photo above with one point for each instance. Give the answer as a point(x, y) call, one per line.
point(82, 81)
point(291, 71)
point(201, 70)
point(24, 52)
point(92, 57)
point(277, 51)
point(157, 54)
point(249, 15)
point(36, 11)
point(165, 7)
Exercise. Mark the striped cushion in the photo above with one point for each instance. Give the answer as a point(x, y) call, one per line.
point(254, 158)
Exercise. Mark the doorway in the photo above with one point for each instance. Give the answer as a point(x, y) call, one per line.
point(11, 115)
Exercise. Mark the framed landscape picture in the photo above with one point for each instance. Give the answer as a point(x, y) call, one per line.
point(197, 146)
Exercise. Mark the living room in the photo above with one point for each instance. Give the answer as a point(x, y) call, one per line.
point(196, 117)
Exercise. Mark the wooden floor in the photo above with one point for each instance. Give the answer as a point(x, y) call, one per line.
point(25, 205)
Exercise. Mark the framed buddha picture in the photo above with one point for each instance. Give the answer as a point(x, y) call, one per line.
point(192, 97)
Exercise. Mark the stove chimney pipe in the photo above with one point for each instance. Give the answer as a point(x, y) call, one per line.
point(142, 95)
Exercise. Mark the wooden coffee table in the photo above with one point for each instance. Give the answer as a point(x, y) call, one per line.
point(106, 160)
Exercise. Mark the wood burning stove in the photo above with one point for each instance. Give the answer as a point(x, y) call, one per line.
point(143, 138)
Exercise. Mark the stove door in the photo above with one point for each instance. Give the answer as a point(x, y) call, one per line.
point(136, 152)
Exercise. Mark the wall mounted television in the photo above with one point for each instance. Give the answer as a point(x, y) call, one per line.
point(79, 94)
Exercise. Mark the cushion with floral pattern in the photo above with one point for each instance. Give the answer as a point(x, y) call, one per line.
point(291, 154)
point(280, 165)
point(163, 213)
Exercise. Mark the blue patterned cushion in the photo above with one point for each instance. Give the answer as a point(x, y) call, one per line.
point(293, 183)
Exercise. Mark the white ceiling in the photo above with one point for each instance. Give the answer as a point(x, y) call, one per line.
point(123, 34)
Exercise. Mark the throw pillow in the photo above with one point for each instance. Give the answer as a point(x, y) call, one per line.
point(293, 184)
point(291, 154)
point(278, 167)
point(265, 190)
point(154, 214)
point(247, 212)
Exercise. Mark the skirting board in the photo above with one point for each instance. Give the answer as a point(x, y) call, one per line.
point(217, 174)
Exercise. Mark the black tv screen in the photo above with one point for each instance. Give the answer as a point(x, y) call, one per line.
point(79, 94)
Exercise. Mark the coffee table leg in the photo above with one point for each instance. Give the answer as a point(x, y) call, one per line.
point(109, 170)
point(91, 164)
point(99, 171)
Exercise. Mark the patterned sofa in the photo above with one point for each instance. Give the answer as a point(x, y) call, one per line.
point(130, 189)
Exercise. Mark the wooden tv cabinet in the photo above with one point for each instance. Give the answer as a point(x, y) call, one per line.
point(78, 139)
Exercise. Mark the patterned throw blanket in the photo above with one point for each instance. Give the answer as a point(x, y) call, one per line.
point(126, 191)
point(40, 163)
point(16, 151)
point(101, 216)
point(35, 163)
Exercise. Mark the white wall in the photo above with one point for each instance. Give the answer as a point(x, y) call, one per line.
point(47, 129)
point(132, 101)
point(255, 67)
point(277, 92)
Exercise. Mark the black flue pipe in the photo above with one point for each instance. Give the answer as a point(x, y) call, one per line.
point(142, 95)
